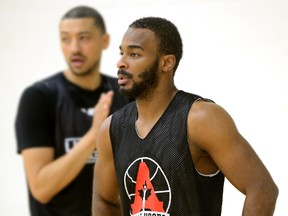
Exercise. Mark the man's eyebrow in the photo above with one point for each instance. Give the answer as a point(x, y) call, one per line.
point(81, 32)
point(132, 47)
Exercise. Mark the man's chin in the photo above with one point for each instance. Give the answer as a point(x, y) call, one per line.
point(128, 93)
point(81, 73)
point(124, 92)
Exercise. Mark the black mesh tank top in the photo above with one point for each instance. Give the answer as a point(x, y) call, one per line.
point(156, 174)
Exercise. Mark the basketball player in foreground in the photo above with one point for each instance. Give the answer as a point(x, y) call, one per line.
point(169, 152)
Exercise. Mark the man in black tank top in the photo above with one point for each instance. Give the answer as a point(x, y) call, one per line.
point(169, 151)
point(57, 120)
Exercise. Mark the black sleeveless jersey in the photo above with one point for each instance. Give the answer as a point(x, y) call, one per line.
point(156, 174)
point(56, 113)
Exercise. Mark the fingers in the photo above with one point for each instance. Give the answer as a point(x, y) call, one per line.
point(104, 102)
point(102, 109)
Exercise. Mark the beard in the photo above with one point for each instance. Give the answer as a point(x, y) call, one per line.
point(149, 81)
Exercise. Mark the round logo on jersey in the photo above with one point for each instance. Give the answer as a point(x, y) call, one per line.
point(147, 187)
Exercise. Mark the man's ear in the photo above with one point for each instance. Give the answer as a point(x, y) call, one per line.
point(106, 40)
point(168, 62)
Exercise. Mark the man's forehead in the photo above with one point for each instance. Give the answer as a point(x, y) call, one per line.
point(77, 25)
point(139, 37)
point(139, 33)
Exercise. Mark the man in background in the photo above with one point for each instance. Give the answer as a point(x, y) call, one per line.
point(57, 120)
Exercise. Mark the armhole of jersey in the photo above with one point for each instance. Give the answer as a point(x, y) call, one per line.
point(202, 174)
point(207, 175)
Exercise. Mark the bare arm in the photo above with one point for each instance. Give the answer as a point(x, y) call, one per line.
point(106, 201)
point(212, 131)
point(47, 176)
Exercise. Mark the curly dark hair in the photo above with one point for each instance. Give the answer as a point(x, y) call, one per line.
point(86, 12)
point(170, 41)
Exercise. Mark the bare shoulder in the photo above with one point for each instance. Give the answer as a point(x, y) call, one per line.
point(103, 140)
point(106, 124)
point(208, 114)
point(104, 130)
point(209, 118)
point(203, 110)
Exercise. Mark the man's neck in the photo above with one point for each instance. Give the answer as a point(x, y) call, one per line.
point(150, 111)
point(155, 105)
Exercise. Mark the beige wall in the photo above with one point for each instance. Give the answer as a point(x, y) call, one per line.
point(235, 52)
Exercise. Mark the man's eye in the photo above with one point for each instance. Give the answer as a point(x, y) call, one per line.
point(84, 38)
point(134, 54)
point(65, 40)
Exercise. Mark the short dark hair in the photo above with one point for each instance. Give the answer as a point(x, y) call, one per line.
point(86, 12)
point(170, 41)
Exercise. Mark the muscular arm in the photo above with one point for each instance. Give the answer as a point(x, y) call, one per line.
point(47, 176)
point(212, 132)
point(106, 201)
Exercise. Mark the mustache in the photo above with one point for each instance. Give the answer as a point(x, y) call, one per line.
point(77, 56)
point(125, 73)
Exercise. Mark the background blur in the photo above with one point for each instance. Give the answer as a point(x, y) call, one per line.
point(235, 52)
